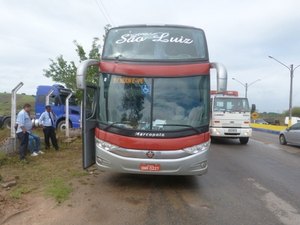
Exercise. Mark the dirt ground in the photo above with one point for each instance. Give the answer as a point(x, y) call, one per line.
point(36, 208)
point(107, 198)
point(91, 202)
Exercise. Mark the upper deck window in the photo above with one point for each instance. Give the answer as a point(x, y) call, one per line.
point(155, 44)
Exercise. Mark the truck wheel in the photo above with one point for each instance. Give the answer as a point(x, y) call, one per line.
point(282, 140)
point(244, 140)
point(62, 125)
point(7, 123)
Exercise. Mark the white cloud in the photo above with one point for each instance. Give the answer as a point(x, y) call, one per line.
point(240, 34)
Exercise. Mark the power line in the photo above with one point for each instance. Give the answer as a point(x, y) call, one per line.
point(112, 23)
point(104, 12)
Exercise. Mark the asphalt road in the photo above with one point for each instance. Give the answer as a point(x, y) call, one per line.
point(258, 183)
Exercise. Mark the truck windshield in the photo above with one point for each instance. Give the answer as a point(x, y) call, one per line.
point(72, 100)
point(154, 104)
point(231, 105)
point(155, 44)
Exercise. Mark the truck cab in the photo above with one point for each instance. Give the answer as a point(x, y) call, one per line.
point(57, 100)
point(230, 116)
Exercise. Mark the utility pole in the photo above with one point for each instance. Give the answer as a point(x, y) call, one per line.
point(291, 68)
point(246, 85)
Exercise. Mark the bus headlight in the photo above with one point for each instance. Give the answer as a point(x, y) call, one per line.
point(104, 145)
point(197, 148)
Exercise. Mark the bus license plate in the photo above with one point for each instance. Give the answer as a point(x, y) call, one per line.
point(149, 167)
point(232, 130)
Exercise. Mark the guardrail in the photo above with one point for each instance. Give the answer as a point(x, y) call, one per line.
point(273, 129)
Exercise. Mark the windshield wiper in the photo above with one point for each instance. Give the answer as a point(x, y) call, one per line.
point(115, 123)
point(181, 125)
point(118, 57)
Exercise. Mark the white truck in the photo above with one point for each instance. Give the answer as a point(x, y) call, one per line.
point(230, 116)
point(293, 120)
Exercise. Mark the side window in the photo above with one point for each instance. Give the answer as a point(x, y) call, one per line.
point(54, 100)
point(293, 127)
point(90, 103)
point(296, 126)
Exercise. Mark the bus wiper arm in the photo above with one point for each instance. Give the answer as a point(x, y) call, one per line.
point(118, 57)
point(182, 125)
point(115, 123)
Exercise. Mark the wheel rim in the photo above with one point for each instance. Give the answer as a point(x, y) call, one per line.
point(7, 124)
point(282, 139)
point(62, 127)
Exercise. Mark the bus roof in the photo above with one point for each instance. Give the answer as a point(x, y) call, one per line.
point(155, 25)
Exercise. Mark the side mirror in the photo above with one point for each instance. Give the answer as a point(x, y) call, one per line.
point(82, 70)
point(253, 108)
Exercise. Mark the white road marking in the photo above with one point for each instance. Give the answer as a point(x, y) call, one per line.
point(286, 213)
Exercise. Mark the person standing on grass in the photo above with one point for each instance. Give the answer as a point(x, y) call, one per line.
point(47, 121)
point(24, 126)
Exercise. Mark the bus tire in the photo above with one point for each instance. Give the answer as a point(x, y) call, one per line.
point(244, 140)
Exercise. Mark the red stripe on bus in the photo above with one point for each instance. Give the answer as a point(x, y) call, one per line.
point(151, 143)
point(162, 70)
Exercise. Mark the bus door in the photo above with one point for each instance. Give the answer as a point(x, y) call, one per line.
point(89, 123)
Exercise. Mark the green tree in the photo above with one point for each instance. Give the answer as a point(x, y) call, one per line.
point(295, 111)
point(62, 71)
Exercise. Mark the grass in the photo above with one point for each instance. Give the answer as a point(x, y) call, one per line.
point(5, 102)
point(50, 173)
point(18, 192)
point(4, 159)
point(4, 133)
point(58, 189)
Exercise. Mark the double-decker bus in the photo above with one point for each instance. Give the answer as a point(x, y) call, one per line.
point(149, 113)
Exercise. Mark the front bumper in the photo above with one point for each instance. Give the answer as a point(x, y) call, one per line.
point(175, 162)
point(230, 132)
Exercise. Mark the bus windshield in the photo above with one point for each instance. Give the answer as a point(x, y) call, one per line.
point(231, 105)
point(154, 104)
point(146, 43)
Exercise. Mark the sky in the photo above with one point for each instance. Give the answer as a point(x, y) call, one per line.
point(240, 35)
